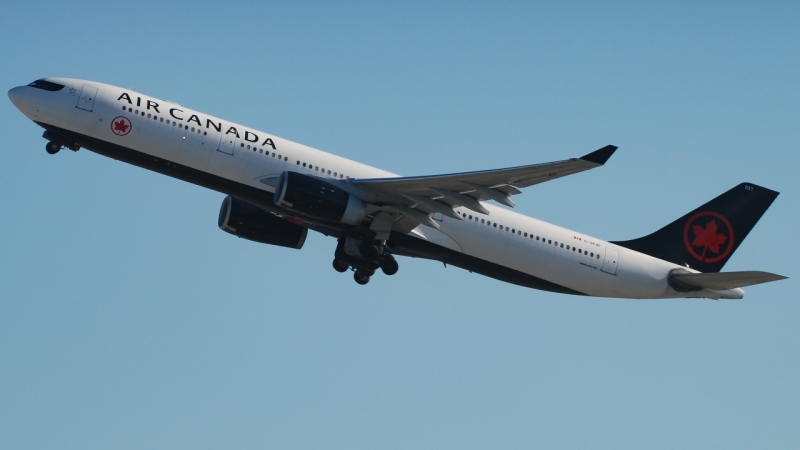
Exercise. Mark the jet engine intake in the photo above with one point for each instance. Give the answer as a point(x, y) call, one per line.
point(250, 222)
point(318, 198)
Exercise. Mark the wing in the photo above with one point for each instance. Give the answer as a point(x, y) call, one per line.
point(417, 198)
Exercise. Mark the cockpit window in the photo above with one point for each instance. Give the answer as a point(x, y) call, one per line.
point(46, 85)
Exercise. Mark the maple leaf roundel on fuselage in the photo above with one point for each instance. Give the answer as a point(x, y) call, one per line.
point(708, 236)
point(121, 126)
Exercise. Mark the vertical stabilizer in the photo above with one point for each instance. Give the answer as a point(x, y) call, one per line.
point(705, 238)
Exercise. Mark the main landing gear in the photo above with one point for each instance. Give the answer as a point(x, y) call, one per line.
point(364, 257)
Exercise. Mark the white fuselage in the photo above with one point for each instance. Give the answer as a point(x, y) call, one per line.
point(245, 155)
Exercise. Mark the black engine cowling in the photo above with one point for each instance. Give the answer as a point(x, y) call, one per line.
point(318, 198)
point(246, 221)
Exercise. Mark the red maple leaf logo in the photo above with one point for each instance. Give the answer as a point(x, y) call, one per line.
point(121, 126)
point(710, 231)
point(708, 238)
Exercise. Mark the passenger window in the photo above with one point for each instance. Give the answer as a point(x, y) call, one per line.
point(148, 116)
point(124, 108)
point(562, 245)
point(513, 230)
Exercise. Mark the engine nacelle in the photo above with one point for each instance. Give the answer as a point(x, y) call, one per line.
point(246, 221)
point(318, 198)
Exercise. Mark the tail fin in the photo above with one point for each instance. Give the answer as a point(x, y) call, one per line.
point(706, 238)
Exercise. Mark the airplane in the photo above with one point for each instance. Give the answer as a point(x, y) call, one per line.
point(276, 190)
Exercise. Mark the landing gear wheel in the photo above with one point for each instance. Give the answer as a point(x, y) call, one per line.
point(52, 147)
point(389, 265)
point(361, 277)
point(340, 266)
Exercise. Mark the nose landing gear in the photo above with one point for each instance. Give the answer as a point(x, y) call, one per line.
point(52, 147)
point(57, 141)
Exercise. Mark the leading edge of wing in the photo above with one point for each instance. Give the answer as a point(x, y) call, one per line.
point(521, 176)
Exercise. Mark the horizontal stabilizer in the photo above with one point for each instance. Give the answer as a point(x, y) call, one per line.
point(720, 281)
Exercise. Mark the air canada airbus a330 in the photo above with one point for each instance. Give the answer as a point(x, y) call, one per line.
point(277, 190)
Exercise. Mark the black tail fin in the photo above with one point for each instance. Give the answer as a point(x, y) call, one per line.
point(706, 238)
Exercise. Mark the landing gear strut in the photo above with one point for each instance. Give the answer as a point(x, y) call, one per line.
point(52, 147)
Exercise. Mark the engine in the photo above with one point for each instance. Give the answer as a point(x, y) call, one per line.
point(246, 221)
point(318, 198)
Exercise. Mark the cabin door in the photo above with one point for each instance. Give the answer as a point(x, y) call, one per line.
point(226, 143)
point(611, 260)
point(86, 100)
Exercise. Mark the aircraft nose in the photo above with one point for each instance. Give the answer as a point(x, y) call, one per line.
point(16, 95)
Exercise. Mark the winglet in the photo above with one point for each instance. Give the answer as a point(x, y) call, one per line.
point(600, 156)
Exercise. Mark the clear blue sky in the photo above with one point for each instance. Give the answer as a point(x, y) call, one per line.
point(128, 320)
